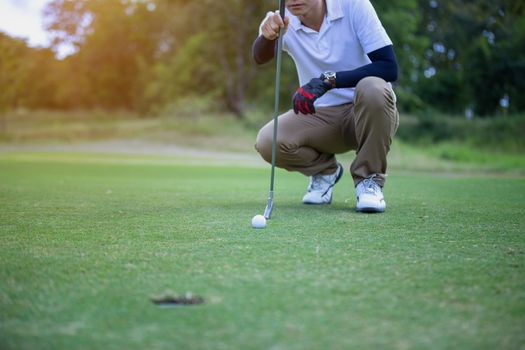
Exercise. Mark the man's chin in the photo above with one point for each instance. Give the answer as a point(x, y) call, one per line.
point(297, 10)
point(297, 13)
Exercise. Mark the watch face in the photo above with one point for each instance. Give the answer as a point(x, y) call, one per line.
point(329, 77)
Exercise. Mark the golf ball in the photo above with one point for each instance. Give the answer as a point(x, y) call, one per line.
point(259, 221)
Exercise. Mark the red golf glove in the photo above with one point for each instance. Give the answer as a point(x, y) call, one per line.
point(305, 96)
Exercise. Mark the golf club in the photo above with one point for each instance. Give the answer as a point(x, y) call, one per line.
point(269, 205)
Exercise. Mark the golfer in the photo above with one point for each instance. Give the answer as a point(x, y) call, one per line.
point(345, 62)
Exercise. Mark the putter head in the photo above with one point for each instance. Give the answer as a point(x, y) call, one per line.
point(269, 208)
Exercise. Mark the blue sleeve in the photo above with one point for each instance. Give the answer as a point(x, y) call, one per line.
point(384, 65)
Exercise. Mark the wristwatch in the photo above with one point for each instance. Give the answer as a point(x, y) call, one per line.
point(329, 77)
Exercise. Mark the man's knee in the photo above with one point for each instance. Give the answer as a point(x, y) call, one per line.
point(373, 92)
point(285, 145)
point(263, 143)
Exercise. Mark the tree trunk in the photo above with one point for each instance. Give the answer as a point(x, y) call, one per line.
point(3, 122)
point(239, 72)
point(234, 88)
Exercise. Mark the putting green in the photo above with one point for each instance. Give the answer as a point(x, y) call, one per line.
point(86, 242)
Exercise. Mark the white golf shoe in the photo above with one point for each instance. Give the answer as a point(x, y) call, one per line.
point(321, 187)
point(370, 198)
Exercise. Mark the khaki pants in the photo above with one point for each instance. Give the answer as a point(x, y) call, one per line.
point(308, 143)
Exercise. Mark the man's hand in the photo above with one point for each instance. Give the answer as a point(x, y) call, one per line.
point(272, 24)
point(305, 96)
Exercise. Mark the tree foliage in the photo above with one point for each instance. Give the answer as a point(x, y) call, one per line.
point(475, 54)
point(13, 72)
point(144, 55)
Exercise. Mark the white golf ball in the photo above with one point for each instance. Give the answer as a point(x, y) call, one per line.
point(259, 221)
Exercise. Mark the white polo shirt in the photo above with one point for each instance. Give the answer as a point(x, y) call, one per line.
point(350, 30)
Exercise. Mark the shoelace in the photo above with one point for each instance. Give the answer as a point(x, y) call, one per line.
point(371, 186)
point(316, 182)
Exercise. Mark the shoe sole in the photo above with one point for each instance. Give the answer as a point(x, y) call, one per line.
point(340, 171)
point(370, 210)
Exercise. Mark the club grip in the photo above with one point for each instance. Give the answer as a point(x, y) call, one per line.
point(281, 8)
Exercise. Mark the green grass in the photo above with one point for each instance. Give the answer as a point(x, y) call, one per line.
point(193, 125)
point(208, 130)
point(85, 245)
point(470, 156)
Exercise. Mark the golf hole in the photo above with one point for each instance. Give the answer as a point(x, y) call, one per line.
point(176, 301)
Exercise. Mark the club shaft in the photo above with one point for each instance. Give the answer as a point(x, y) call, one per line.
point(276, 106)
point(269, 205)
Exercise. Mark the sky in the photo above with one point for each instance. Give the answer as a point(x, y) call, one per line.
point(23, 19)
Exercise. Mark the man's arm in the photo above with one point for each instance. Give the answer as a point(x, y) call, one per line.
point(384, 65)
point(263, 50)
point(265, 46)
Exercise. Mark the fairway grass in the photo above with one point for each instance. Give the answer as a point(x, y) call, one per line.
point(86, 245)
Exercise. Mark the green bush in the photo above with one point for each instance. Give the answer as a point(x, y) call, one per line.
point(505, 133)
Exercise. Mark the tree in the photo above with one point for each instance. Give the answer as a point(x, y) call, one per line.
point(13, 75)
point(43, 80)
point(213, 57)
point(144, 55)
point(474, 54)
point(402, 20)
point(116, 41)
